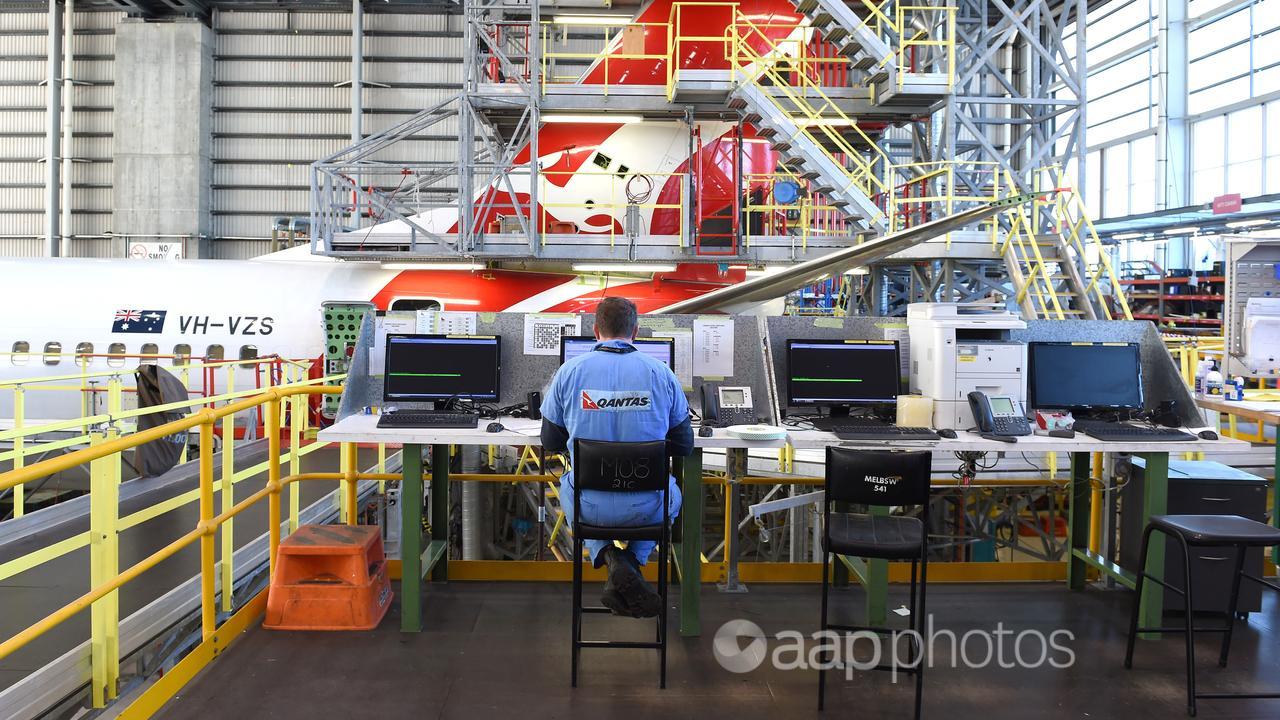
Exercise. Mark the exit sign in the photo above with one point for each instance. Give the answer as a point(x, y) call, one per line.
point(1224, 204)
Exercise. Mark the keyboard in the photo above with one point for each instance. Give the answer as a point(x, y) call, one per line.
point(1102, 430)
point(869, 429)
point(428, 419)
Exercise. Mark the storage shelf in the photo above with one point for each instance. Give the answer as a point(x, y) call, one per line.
point(1173, 280)
point(1218, 298)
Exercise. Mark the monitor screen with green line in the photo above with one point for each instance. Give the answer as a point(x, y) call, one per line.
point(441, 367)
point(842, 373)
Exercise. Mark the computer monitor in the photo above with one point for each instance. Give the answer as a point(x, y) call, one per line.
point(1084, 376)
point(441, 368)
point(661, 349)
point(842, 373)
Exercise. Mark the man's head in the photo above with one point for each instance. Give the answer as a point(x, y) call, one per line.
point(616, 319)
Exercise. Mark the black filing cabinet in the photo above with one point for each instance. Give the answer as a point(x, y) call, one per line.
point(1197, 487)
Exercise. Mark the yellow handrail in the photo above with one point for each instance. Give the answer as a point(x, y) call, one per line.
point(105, 626)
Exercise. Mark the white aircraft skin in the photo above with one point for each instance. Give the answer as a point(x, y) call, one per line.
point(272, 303)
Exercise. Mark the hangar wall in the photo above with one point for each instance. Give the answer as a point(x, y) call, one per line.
point(280, 99)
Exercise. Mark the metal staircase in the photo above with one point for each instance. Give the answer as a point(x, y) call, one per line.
point(802, 151)
point(851, 35)
point(1058, 266)
point(794, 113)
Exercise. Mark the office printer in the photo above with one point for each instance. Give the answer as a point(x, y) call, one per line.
point(958, 348)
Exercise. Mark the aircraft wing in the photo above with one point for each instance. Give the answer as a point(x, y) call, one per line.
point(762, 289)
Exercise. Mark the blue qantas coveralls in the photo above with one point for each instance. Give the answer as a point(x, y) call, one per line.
point(582, 402)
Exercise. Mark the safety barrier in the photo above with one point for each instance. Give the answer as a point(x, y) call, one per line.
point(104, 457)
point(91, 385)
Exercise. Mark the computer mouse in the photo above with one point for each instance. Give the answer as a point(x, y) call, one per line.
point(494, 427)
point(947, 433)
point(704, 431)
point(1207, 435)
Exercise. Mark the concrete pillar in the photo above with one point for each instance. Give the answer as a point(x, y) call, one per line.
point(163, 131)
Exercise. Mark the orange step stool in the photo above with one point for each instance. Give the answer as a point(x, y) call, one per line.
point(329, 577)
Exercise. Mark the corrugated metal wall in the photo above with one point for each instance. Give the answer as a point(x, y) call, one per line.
point(281, 101)
point(23, 64)
point(276, 109)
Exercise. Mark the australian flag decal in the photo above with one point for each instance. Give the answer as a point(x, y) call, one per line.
point(138, 321)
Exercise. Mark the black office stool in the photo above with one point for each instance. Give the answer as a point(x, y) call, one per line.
point(1202, 531)
point(620, 467)
point(878, 478)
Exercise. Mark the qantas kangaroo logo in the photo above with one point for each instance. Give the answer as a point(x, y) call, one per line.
point(615, 400)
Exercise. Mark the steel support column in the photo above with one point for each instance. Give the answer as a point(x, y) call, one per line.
point(357, 71)
point(53, 150)
point(68, 105)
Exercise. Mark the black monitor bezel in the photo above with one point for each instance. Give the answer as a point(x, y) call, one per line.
point(897, 376)
point(497, 374)
point(671, 346)
point(1033, 401)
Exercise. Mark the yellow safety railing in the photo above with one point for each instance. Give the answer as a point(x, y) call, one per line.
point(104, 458)
point(615, 201)
point(922, 27)
point(928, 190)
point(1035, 277)
point(23, 432)
point(619, 36)
point(812, 216)
point(1058, 219)
point(818, 119)
point(678, 40)
point(1069, 220)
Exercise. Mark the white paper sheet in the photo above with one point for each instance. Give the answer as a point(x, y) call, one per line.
point(542, 332)
point(447, 322)
point(684, 354)
point(393, 323)
point(713, 346)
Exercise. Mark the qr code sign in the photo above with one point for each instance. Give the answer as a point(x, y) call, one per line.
point(546, 336)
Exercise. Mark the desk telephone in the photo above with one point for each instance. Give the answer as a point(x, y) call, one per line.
point(998, 415)
point(727, 406)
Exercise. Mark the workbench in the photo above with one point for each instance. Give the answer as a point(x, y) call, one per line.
point(432, 560)
point(1263, 413)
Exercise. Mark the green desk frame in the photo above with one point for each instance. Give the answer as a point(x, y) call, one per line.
point(1155, 501)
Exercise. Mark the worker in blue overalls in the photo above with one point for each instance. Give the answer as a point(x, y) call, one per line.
point(614, 367)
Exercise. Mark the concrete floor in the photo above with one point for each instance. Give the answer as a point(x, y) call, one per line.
point(502, 650)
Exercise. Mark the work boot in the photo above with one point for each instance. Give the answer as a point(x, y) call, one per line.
point(626, 592)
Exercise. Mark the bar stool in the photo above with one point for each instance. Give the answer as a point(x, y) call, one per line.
point(1202, 531)
point(620, 467)
point(878, 478)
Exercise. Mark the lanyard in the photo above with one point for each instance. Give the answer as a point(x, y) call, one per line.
point(615, 350)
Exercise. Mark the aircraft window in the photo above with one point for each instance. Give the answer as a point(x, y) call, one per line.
point(414, 304)
point(116, 349)
point(149, 349)
point(181, 354)
point(52, 353)
point(20, 350)
point(248, 352)
point(213, 353)
point(83, 350)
